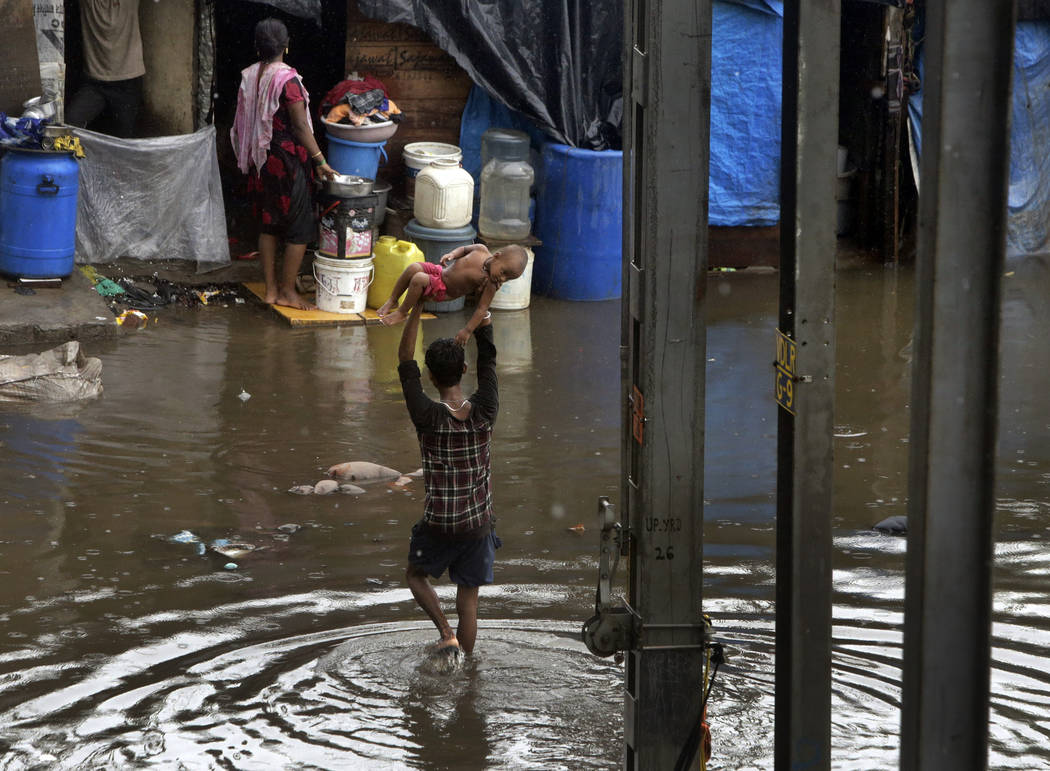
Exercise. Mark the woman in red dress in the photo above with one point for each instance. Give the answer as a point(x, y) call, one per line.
point(274, 142)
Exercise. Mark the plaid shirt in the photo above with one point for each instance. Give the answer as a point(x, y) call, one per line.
point(457, 467)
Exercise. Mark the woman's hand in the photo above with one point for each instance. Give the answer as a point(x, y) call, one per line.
point(324, 171)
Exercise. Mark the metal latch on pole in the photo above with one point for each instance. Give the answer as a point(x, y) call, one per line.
point(610, 629)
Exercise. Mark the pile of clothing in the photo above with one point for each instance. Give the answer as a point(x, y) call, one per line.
point(28, 132)
point(21, 132)
point(358, 102)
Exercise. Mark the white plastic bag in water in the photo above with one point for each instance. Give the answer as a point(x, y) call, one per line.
point(62, 374)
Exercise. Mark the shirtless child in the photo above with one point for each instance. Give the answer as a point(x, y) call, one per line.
point(463, 270)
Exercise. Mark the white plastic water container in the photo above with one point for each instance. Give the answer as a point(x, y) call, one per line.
point(506, 179)
point(444, 195)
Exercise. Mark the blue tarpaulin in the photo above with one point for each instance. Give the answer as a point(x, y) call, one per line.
point(745, 113)
point(1028, 205)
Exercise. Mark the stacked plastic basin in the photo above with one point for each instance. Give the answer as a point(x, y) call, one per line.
point(443, 205)
point(358, 150)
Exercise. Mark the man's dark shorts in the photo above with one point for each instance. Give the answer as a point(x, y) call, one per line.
point(468, 560)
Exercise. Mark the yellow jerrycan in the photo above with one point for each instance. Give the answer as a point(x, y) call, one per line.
point(391, 258)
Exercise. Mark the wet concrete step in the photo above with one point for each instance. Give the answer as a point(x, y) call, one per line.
point(71, 311)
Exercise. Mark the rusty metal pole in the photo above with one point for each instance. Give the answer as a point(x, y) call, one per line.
point(667, 68)
point(954, 404)
point(805, 384)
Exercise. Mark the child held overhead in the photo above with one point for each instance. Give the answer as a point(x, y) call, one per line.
point(462, 271)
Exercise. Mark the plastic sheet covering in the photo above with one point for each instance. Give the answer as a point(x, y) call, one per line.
point(555, 61)
point(151, 199)
point(1028, 203)
point(745, 113)
point(62, 374)
point(304, 9)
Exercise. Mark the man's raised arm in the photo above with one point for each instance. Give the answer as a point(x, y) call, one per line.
point(407, 349)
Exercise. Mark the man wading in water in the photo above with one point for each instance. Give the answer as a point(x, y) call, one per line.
point(456, 531)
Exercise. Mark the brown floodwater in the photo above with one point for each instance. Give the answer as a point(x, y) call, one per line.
point(126, 640)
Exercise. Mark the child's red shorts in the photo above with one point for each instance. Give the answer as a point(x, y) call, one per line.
point(436, 289)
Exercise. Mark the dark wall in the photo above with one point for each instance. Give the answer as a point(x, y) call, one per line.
point(317, 53)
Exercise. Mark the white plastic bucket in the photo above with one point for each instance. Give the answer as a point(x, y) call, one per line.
point(516, 293)
point(419, 155)
point(342, 285)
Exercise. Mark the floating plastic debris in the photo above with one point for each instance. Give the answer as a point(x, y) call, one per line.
point(133, 319)
point(326, 486)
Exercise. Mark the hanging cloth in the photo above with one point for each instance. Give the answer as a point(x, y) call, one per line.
point(257, 101)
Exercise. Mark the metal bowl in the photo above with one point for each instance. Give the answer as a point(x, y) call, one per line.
point(367, 132)
point(348, 186)
point(382, 189)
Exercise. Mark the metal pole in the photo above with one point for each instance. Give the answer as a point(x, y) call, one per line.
point(805, 384)
point(954, 405)
point(667, 67)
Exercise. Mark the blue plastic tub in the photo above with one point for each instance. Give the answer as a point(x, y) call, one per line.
point(579, 216)
point(38, 213)
point(434, 243)
point(358, 158)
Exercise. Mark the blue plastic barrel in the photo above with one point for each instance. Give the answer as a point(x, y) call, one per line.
point(358, 158)
point(38, 213)
point(435, 243)
point(579, 216)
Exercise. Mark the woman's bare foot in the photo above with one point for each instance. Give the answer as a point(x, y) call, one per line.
point(385, 308)
point(271, 295)
point(289, 298)
point(395, 316)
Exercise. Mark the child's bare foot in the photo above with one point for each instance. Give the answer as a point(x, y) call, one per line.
point(271, 295)
point(395, 316)
point(385, 308)
point(292, 299)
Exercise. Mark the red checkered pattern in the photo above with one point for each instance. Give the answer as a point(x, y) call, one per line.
point(456, 474)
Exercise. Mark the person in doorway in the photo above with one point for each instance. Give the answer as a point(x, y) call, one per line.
point(462, 271)
point(274, 143)
point(456, 532)
point(113, 67)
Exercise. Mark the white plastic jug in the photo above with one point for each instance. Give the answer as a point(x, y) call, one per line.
point(444, 195)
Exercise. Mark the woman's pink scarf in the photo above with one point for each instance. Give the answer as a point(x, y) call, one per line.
point(256, 104)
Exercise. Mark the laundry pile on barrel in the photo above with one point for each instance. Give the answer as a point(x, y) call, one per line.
point(358, 102)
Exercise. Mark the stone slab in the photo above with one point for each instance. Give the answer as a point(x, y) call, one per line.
point(73, 311)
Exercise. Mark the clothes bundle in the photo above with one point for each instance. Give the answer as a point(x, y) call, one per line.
point(358, 102)
point(21, 132)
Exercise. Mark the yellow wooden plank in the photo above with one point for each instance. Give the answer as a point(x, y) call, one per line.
point(301, 318)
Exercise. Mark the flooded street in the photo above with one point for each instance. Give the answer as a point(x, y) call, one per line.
point(123, 644)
